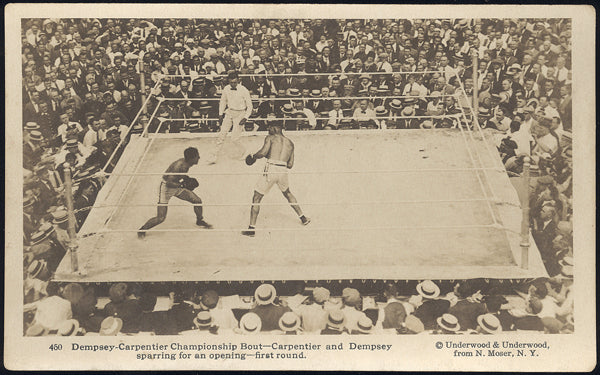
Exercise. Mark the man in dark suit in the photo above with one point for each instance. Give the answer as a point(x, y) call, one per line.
point(266, 307)
point(432, 307)
point(544, 229)
point(30, 222)
point(468, 308)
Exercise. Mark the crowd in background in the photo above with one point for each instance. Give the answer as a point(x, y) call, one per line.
point(466, 307)
point(85, 80)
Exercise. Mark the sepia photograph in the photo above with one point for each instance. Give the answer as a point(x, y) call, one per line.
point(261, 173)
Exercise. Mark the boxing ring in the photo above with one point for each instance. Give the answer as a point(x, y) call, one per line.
point(385, 204)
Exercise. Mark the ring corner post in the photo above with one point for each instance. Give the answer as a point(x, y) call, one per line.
point(525, 219)
point(71, 218)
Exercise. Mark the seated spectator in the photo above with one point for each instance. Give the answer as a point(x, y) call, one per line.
point(289, 324)
point(250, 324)
point(335, 323)
point(447, 324)
point(488, 324)
point(267, 309)
point(432, 307)
point(221, 317)
point(351, 308)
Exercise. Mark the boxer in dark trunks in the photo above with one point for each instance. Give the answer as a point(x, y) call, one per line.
point(177, 185)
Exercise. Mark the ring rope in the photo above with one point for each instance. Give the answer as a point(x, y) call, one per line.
point(138, 166)
point(321, 229)
point(468, 147)
point(129, 129)
point(487, 177)
point(278, 204)
point(302, 74)
point(425, 170)
point(487, 146)
point(320, 98)
point(456, 115)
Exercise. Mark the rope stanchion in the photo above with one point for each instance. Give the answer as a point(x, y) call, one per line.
point(68, 194)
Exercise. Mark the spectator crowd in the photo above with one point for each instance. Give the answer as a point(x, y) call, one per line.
point(86, 81)
point(467, 307)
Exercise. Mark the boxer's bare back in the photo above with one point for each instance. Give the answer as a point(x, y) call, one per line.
point(278, 147)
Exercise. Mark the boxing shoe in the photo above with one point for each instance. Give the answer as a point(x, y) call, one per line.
point(203, 224)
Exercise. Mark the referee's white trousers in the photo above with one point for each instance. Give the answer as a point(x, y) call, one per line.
point(231, 121)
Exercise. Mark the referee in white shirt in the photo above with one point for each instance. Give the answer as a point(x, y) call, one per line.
point(235, 108)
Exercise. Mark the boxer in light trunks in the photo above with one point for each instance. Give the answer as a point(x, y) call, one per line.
point(279, 151)
point(174, 185)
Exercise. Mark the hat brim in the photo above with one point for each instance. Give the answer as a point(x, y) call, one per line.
point(116, 329)
point(440, 322)
point(74, 331)
point(480, 323)
point(201, 325)
point(270, 300)
point(289, 329)
point(424, 295)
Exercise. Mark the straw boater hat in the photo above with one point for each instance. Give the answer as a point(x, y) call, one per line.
point(489, 323)
point(250, 323)
point(38, 269)
point(484, 112)
point(364, 325)
point(203, 320)
point(566, 267)
point(28, 201)
point(287, 108)
point(380, 111)
point(289, 322)
point(137, 129)
point(408, 111)
point(265, 294)
point(60, 216)
point(111, 326)
point(396, 104)
point(30, 125)
point(413, 324)
point(35, 136)
point(39, 236)
point(294, 92)
point(336, 320)
point(427, 124)
point(204, 105)
point(68, 328)
point(36, 330)
point(315, 93)
point(428, 289)
point(448, 322)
